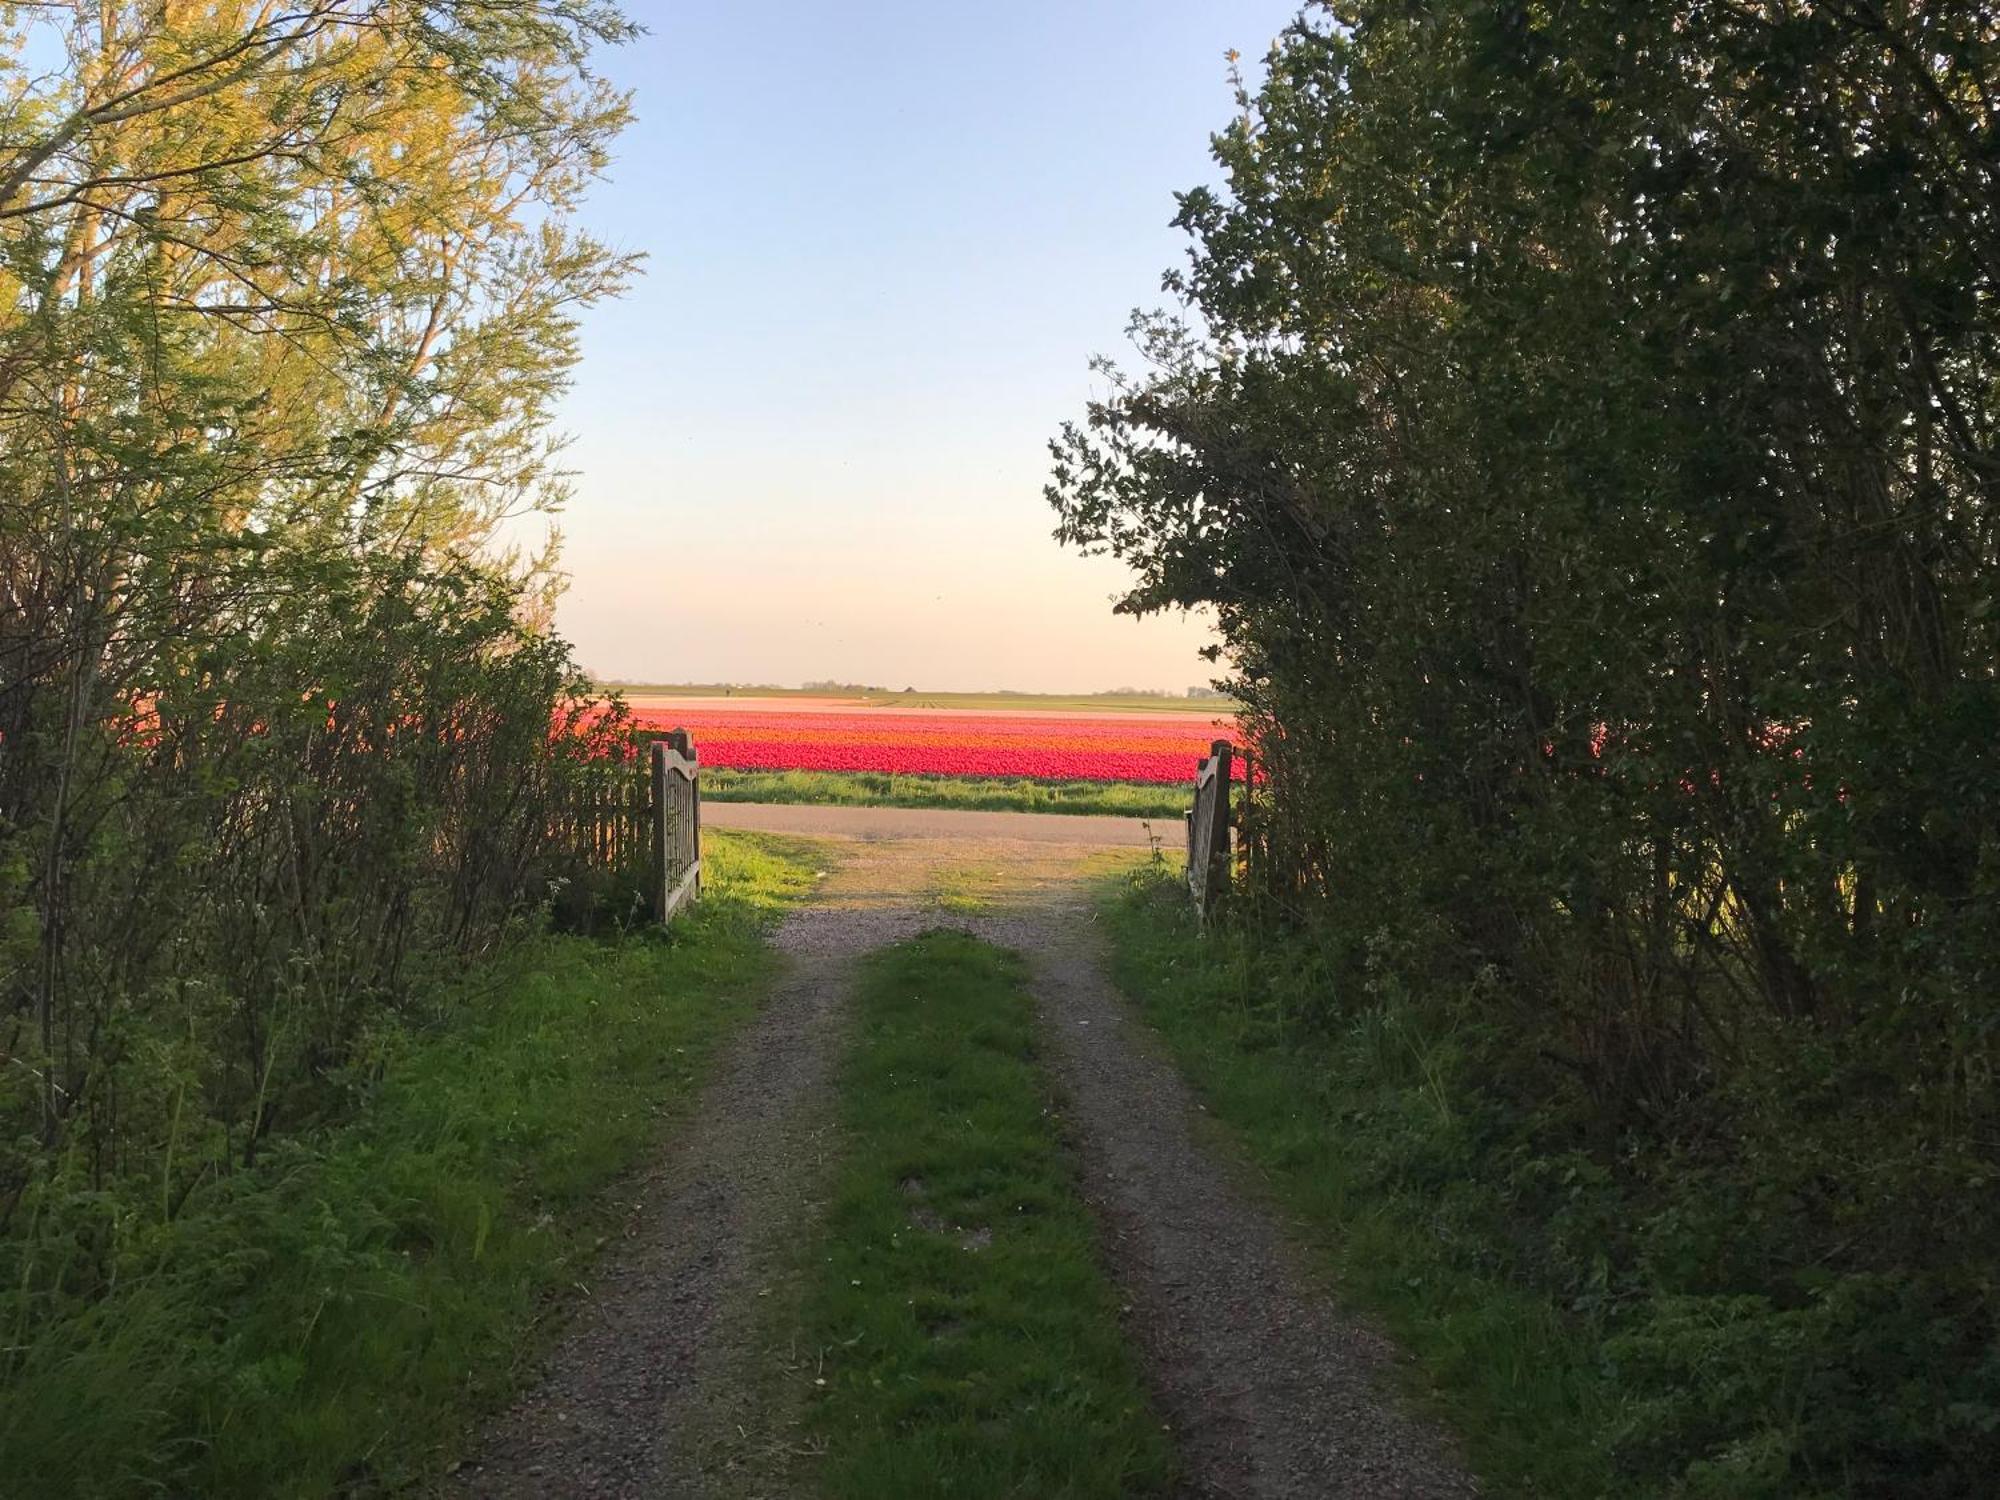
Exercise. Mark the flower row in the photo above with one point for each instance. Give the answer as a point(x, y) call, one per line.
point(946, 743)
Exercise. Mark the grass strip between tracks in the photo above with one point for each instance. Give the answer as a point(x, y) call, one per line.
point(962, 1337)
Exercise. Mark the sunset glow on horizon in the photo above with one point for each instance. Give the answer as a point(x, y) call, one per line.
point(810, 442)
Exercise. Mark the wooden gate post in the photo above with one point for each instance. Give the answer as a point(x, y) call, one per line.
point(683, 743)
point(676, 823)
point(1218, 847)
point(1208, 830)
point(662, 882)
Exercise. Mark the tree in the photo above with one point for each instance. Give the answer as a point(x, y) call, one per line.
point(286, 296)
point(1582, 419)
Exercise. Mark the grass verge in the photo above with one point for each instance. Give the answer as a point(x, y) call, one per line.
point(967, 1342)
point(330, 1321)
point(1126, 799)
point(1364, 1138)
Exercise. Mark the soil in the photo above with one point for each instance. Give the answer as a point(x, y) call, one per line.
point(660, 1386)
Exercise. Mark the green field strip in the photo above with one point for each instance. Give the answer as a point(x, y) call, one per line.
point(960, 1336)
point(1128, 799)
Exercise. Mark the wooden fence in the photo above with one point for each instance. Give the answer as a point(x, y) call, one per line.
point(1208, 851)
point(645, 823)
point(676, 786)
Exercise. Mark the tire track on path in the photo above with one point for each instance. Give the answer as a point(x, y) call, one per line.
point(1272, 1390)
point(648, 1391)
point(633, 1397)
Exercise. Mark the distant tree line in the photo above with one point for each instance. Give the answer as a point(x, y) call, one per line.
point(1582, 420)
point(286, 295)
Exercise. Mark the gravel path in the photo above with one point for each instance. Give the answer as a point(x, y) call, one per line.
point(648, 1392)
point(619, 1407)
point(630, 1397)
point(1272, 1391)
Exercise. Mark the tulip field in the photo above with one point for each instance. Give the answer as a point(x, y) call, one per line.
point(1069, 760)
point(1116, 747)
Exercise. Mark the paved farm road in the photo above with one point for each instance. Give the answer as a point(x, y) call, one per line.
point(1272, 1391)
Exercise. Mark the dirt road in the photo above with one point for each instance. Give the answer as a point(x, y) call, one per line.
point(1271, 1389)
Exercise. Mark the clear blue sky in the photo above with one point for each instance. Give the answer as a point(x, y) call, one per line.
point(885, 239)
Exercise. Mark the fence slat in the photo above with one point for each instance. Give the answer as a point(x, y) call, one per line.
point(619, 817)
point(1208, 822)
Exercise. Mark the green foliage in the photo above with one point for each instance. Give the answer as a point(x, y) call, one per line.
point(287, 297)
point(327, 1322)
point(967, 1341)
point(1371, 1126)
point(1577, 1314)
point(1581, 419)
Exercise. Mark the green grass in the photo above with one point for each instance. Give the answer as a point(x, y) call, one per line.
point(331, 1321)
point(961, 1338)
point(1365, 1133)
point(1125, 799)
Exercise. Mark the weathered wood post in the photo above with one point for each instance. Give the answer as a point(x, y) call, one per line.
point(683, 743)
point(676, 823)
point(662, 881)
point(1220, 861)
point(1208, 830)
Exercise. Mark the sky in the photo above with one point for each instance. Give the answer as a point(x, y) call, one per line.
point(884, 240)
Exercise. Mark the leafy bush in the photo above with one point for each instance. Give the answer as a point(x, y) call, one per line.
point(286, 302)
point(328, 1320)
point(1582, 422)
